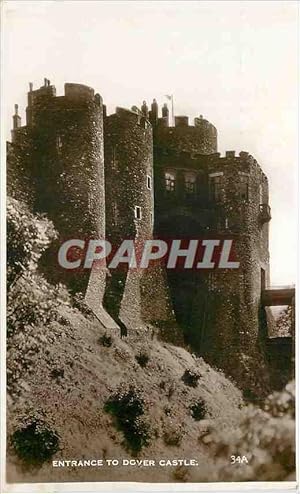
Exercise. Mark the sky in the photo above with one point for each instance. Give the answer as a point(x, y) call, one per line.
point(236, 63)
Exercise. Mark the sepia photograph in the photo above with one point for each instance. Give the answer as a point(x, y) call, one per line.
point(150, 224)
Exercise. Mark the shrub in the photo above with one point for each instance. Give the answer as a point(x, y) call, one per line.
point(57, 374)
point(35, 442)
point(282, 403)
point(32, 301)
point(106, 340)
point(266, 436)
point(169, 387)
point(173, 435)
point(142, 359)
point(190, 378)
point(127, 406)
point(181, 474)
point(198, 410)
point(28, 236)
point(285, 321)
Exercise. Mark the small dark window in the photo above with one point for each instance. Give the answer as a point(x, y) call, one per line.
point(190, 183)
point(138, 212)
point(216, 188)
point(244, 187)
point(149, 182)
point(262, 278)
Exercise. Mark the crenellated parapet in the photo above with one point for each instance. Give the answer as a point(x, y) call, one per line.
point(199, 138)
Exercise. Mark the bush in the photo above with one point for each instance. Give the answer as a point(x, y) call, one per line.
point(285, 322)
point(266, 436)
point(191, 378)
point(181, 474)
point(28, 236)
point(142, 359)
point(282, 403)
point(106, 341)
point(127, 406)
point(169, 387)
point(35, 443)
point(173, 435)
point(32, 301)
point(57, 374)
point(198, 410)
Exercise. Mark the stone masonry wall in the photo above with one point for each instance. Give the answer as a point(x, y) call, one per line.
point(201, 138)
point(129, 184)
point(220, 310)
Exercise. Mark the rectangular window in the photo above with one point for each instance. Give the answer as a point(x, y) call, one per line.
point(216, 188)
point(138, 212)
point(190, 183)
point(149, 182)
point(244, 187)
point(262, 279)
point(58, 142)
point(170, 181)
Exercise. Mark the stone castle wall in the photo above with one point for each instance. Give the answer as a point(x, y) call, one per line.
point(99, 176)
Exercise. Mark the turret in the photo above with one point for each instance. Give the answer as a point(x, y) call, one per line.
point(144, 110)
point(36, 97)
point(16, 118)
point(199, 138)
point(154, 113)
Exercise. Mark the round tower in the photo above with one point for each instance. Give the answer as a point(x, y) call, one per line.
point(69, 163)
point(65, 164)
point(129, 212)
point(128, 176)
point(234, 324)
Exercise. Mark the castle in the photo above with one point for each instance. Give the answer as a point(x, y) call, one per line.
point(133, 175)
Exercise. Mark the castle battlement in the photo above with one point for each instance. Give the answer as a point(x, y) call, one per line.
point(131, 175)
point(129, 117)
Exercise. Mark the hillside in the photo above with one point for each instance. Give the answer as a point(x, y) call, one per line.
point(70, 377)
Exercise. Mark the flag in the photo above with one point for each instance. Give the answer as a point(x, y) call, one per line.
point(168, 96)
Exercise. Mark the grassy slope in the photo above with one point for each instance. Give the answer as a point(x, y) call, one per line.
point(73, 404)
